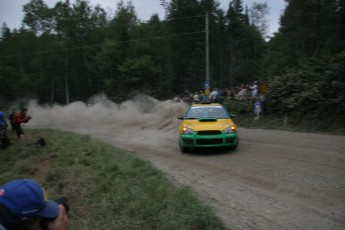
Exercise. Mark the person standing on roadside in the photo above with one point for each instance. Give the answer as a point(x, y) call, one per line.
point(263, 104)
point(257, 109)
point(214, 96)
point(11, 118)
point(3, 129)
point(20, 118)
point(196, 98)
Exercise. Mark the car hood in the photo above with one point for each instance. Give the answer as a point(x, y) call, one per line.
point(208, 124)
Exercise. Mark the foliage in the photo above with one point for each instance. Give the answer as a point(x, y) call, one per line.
point(108, 188)
point(307, 28)
point(74, 44)
point(316, 89)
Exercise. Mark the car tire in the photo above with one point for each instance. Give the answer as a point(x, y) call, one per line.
point(234, 147)
point(182, 148)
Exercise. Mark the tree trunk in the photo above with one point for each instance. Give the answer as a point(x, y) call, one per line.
point(66, 81)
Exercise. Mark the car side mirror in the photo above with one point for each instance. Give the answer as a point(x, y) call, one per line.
point(180, 117)
point(233, 115)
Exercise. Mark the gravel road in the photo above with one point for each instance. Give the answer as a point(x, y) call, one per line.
point(274, 180)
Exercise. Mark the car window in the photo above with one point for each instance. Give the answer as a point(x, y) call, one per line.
point(219, 113)
point(207, 112)
point(194, 113)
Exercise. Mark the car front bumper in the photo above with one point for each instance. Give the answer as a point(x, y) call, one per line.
point(220, 140)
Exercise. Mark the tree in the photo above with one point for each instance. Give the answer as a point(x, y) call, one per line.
point(257, 14)
point(122, 26)
point(186, 21)
point(38, 17)
point(245, 46)
point(307, 28)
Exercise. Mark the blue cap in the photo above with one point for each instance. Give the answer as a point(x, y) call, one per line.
point(25, 198)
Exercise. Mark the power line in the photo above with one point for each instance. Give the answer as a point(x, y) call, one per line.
point(90, 46)
point(109, 26)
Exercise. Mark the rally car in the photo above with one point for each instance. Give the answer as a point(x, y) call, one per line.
point(207, 125)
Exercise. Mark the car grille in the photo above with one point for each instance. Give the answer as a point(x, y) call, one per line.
point(209, 132)
point(209, 141)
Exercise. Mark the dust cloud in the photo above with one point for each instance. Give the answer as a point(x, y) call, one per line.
point(142, 120)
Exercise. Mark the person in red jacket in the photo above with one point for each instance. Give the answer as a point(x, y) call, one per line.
point(20, 118)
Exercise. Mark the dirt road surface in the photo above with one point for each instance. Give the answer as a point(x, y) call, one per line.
point(274, 180)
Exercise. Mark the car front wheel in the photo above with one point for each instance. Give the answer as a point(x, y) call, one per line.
point(182, 148)
point(234, 147)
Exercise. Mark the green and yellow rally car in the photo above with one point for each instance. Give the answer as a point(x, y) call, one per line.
point(207, 125)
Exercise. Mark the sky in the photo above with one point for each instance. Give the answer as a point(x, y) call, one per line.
point(11, 11)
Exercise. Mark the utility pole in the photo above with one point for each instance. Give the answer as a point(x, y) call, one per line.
point(207, 58)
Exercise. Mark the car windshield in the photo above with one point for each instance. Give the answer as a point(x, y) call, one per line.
point(197, 112)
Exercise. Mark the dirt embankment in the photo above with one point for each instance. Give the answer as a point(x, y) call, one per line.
point(274, 180)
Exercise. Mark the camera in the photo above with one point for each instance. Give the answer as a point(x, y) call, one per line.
point(41, 142)
point(64, 201)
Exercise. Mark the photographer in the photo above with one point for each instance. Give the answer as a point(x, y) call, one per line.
point(18, 119)
point(23, 206)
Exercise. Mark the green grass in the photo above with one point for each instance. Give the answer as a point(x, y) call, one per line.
point(245, 119)
point(274, 122)
point(107, 187)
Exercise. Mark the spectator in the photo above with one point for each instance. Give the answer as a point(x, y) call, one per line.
point(11, 118)
point(3, 130)
point(23, 206)
point(263, 104)
point(257, 109)
point(241, 95)
point(221, 96)
point(20, 118)
point(214, 96)
point(203, 97)
point(231, 92)
point(178, 98)
point(254, 89)
point(196, 98)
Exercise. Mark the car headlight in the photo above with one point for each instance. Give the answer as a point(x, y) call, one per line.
point(230, 129)
point(188, 131)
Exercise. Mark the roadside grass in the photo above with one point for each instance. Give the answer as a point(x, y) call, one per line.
point(245, 119)
point(274, 122)
point(107, 187)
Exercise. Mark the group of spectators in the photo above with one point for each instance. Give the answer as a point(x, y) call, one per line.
point(15, 120)
point(241, 92)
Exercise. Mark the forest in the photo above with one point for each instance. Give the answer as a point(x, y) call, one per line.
point(73, 51)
